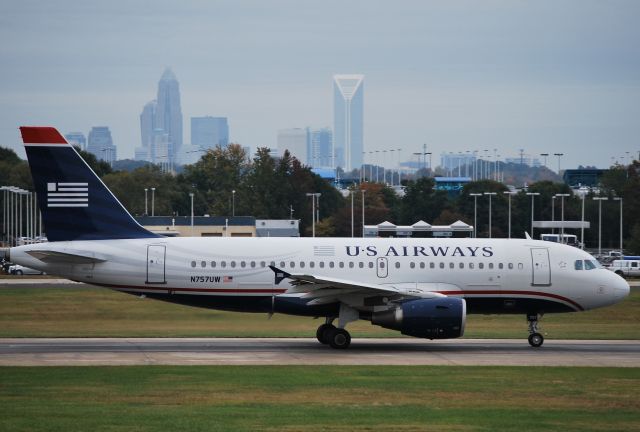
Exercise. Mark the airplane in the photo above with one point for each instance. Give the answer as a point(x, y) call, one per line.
point(422, 287)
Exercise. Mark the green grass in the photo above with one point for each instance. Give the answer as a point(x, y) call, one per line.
point(98, 312)
point(336, 398)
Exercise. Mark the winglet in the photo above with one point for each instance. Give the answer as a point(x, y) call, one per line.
point(280, 274)
point(527, 236)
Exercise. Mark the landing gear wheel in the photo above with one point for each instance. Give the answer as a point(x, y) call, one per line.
point(536, 340)
point(339, 339)
point(323, 333)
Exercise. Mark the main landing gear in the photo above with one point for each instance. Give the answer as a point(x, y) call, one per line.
point(333, 336)
point(535, 339)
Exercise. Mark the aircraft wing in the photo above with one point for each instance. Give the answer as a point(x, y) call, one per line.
point(57, 257)
point(324, 290)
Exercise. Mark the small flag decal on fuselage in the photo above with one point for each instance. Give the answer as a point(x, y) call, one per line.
point(67, 194)
point(227, 279)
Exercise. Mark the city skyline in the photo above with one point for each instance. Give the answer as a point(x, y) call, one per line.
point(561, 77)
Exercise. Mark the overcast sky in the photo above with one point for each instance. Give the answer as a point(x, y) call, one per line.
point(545, 76)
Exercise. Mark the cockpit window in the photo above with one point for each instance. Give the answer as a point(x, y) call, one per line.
point(590, 265)
point(578, 264)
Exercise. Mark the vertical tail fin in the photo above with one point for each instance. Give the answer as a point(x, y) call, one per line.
point(74, 202)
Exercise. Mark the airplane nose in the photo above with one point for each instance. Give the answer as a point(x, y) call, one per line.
point(620, 286)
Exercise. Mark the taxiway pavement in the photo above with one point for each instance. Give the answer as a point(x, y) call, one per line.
point(305, 351)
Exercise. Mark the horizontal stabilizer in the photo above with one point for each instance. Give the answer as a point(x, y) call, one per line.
point(65, 257)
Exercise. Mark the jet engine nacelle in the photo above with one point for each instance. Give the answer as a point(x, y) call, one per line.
point(438, 318)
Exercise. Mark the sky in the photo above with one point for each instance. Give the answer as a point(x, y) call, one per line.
point(548, 76)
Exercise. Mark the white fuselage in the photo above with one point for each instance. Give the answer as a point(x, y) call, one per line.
point(500, 270)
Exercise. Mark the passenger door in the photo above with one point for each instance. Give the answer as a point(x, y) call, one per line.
point(156, 255)
point(540, 266)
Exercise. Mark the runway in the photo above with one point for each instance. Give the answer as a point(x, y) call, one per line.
point(304, 351)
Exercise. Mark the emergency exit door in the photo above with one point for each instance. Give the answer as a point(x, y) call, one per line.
point(156, 264)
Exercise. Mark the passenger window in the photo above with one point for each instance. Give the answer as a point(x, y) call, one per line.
point(263, 264)
point(351, 264)
point(461, 265)
point(253, 264)
point(412, 265)
point(301, 264)
point(312, 264)
point(292, 264)
point(370, 264)
point(203, 264)
point(341, 264)
point(273, 263)
point(452, 265)
point(471, 265)
point(330, 264)
point(490, 265)
point(480, 266)
point(233, 263)
point(634, 264)
point(510, 266)
point(282, 264)
point(321, 264)
point(500, 266)
point(243, 264)
point(432, 265)
point(441, 265)
point(398, 264)
point(520, 266)
point(213, 264)
point(421, 265)
point(578, 265)
point(193, 263)
point(361, 264)
point(223, 263)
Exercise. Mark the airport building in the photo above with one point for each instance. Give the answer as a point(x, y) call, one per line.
point(219, 226)
point(419, 229)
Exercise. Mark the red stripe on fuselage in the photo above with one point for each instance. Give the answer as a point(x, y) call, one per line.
point(41, 135)
point(281, 291)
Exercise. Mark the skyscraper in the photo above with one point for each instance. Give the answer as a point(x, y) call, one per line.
point(161, 123)
point(101, 144)
point(295, 140)
point(77, 139)
point(147, 126)
point(348, 117)
point(321, 148)
point(208, 132)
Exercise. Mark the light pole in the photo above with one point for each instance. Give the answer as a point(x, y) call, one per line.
point(600, 199)
point(146, 209)
point(559, 156)
point(233, 203)
point(384, 169)
point(532, 195)
point(351, 193)
point(545, 156)
point(553, 212)
point(490, 194)
point(153, 201)
point(620, 199)
point(509, 194)
point(191, 196)
point(562, 215)
point(583, 196)
point(475, 213)
point(363, 191)
point(377, 166)
point(314, 196)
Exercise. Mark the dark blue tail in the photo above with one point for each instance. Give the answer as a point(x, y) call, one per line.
point(74, 202)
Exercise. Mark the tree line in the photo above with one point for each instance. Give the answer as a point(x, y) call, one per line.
point(271, 188)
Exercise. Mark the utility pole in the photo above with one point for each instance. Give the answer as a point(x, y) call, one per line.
point(475, 213)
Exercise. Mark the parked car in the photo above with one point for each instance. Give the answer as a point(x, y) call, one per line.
point(626, 267)
point(19, 270)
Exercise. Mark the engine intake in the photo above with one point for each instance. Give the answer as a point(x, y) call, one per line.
point(439, 318)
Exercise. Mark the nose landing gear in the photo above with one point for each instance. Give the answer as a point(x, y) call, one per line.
point(535, 339)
